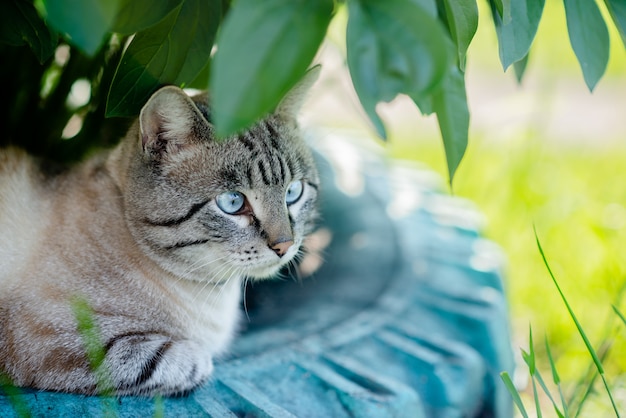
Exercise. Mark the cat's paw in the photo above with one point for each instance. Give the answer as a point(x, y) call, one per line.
point(151, 364)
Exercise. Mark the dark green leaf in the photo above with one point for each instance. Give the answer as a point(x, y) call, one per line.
point(394, 47)
point(199, 53)
point(174, 51)
point(202, 79)
point(137, 15)
point(20, 24)
point(589, 37)
point(503, 7)
point(429, 6)
point(520, 67)
point(84, 22)
point(617, 9)
point(264, 48)
point(462, 20)
point(516, 36)
point(424, 103)
point(450, 104)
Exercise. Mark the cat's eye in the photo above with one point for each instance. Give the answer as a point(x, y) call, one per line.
point(230, 202)
point(294, 192)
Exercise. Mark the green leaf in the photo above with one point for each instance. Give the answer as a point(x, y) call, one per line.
point(429, 6)
point(520, 68)
point(516, 36)
point(199, 53)
point(174, 51)
point(394, 46)
point(20, 24)
point(424, 103)
point(202, 79)
point(503, 7)
point(263, 50)
point(84, 22)
point(589, 37)
point(617, 9)
point(450, 104)
point(137, 15)
point(462, 20)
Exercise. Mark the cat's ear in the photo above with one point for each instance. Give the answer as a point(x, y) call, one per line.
point(168, 121)
point(292, 102)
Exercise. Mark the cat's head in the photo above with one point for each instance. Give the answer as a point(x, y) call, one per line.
point(209, 209)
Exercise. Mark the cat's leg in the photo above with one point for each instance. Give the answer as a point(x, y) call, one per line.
point(144, 363)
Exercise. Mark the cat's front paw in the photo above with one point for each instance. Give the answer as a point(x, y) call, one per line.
point(154, 364)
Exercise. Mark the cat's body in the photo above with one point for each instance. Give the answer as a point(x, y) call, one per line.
point(155, 238)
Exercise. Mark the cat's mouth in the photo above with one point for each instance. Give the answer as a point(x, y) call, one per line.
point(269, 268)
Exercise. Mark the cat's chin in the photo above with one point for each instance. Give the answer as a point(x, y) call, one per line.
point(266, 271)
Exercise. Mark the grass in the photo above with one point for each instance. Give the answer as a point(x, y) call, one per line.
point(571, 195)
point(523, 174)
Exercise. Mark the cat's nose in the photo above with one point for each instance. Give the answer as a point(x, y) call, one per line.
point(281, 247)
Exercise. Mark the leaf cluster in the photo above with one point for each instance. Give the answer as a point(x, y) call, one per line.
point(249, 54)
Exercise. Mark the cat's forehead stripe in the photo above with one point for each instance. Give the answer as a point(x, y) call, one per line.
point(261, 166)
point(247, 141)
point(266, 159)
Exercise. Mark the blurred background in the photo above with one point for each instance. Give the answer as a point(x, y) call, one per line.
point(546, 153)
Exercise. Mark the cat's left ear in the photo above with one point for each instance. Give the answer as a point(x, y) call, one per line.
point(169, 121)
point(290, 105)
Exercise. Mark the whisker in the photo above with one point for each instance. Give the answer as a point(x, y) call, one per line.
point(246, 280)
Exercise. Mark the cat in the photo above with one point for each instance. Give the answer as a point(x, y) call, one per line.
point(153, 240)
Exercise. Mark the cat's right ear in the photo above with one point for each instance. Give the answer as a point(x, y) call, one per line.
point(290, 105)
point(168, 122)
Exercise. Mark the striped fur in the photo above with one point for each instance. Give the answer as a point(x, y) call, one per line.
point(138, 235)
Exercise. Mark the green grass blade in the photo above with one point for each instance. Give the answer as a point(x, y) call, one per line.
point(590, 348)
point(513, 391)
point(543, 385)
point(14, 395)
point(91, 337)
point(621, 316)
point(586, 393)
point(536, 397)
point(608, 390)
point(588, 380)
point(556, 379)
point(159, 407)
point(531, 347)
point(529, 359)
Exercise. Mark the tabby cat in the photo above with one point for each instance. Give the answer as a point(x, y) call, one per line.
point(155, 237)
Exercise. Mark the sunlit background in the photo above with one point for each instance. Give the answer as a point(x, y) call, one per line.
point(546, 153)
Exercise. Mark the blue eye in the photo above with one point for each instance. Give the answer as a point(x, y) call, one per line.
point(294, 192)
point(230, 202)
